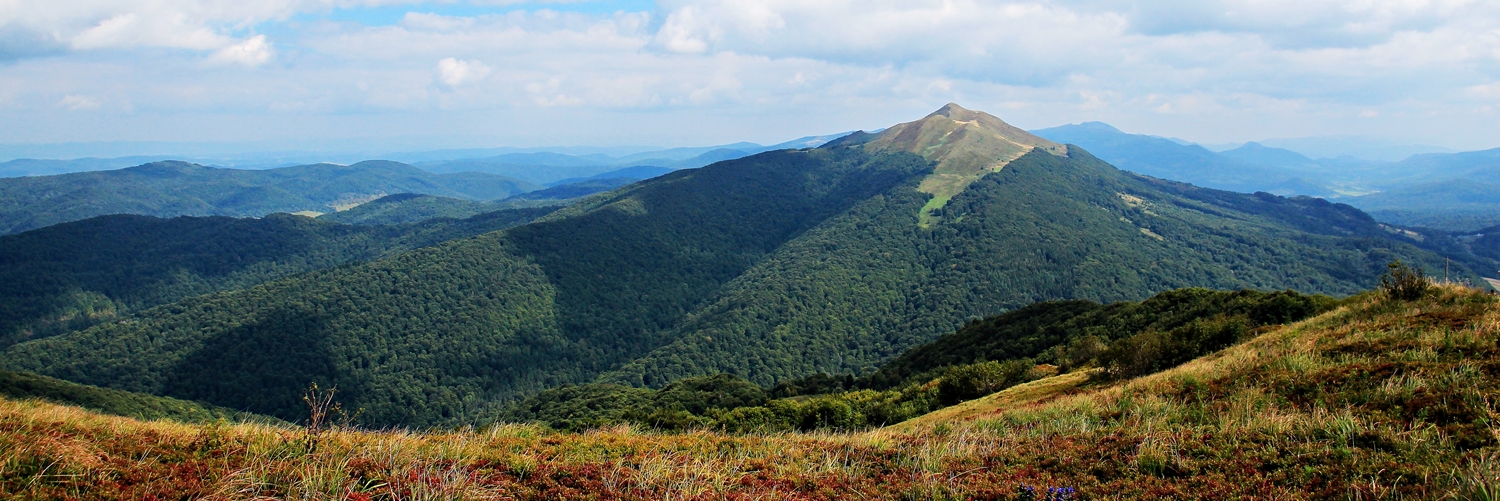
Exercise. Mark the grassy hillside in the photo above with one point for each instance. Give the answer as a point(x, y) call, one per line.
point(170, 189)
point(73, 275)
point(1374, 400)
point(23, 386)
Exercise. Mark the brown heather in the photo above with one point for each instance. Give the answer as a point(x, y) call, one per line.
point(1379, 399)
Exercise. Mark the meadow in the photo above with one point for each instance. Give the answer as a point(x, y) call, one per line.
point(1379, 398)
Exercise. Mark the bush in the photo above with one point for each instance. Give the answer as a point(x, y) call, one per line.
point(1079, 352)
point(752, 420)
point(1155, 351)
point(829, 413)
point(700, 394)
point(1404, 283)
point(670, 419)
point(968, 382)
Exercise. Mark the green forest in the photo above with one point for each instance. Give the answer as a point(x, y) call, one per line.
point(769, 268)
point(71, 276)
point(171, 188)
point(1124, 339)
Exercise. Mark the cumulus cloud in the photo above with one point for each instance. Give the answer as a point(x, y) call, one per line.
point(250, 53)
point(78, 103)
point(1181, 67)
point(457, 73)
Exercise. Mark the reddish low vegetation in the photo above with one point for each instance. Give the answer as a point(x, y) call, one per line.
point(1377, 399)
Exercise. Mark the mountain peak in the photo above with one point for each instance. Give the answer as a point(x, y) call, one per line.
point(965, 144)
point(953, 111)
point(1100, 126)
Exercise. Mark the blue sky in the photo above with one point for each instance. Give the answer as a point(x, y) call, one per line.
point(414, 74)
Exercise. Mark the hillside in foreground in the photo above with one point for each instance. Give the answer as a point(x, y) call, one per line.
point(1375, 399)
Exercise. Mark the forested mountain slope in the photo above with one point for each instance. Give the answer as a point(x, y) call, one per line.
point(771, 267)
point(73, 275)
point(433, 335)
point(168, 189)
point(408, 208)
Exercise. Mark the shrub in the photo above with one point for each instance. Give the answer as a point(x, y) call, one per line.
point(670, 419)
point(698, 395)
point(968, 382)
point(829, 413)
point(752, 420)
point(1154, 351)
point(1079, 352)
point(1404, 283)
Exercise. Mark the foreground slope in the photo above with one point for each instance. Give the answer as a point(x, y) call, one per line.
point(1374, 400)
point(171, 188)
point(23, 386)
point(771, 267)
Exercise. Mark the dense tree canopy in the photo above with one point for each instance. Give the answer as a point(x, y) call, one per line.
point(770, 268)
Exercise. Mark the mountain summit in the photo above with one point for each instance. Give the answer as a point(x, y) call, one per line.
point(965, 144)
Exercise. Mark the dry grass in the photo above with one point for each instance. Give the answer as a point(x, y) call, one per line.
point(1374, 400)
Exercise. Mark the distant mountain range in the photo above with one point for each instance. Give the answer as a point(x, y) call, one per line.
point(551, 168)
point(542, 166)
point(170, 188)
point(179, 188)
point(1413, 190)
point(774, 267)
point(1450, 191)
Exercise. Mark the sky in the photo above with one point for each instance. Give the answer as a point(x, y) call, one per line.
point(488, 73)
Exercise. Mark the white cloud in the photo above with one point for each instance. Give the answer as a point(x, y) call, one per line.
point(130, 29)
point(78, 103)
point(1487, 92)
point(252, 52)
point(457, 73)
point(1241, 68)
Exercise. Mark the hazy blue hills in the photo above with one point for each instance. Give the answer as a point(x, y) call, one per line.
point(636, 173)
point(178, 188)
point(772, 267)
point(1449, 191)
point(1254, 153)
point(555, 168)
point(1243, 171)
point(38, 167)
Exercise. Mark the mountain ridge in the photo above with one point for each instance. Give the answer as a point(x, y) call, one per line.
point(173, 188)
point(773, 267)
